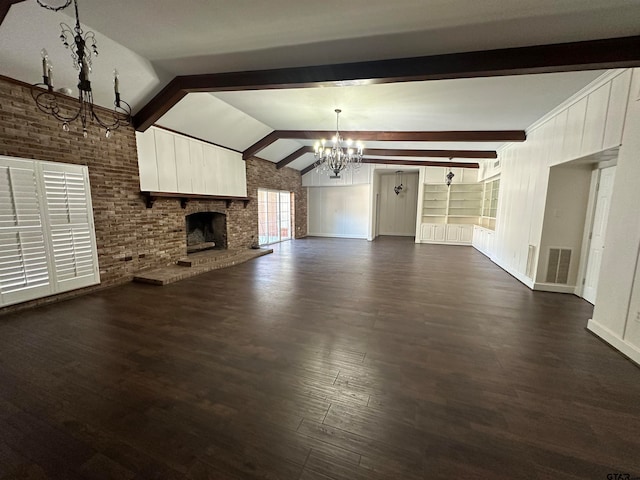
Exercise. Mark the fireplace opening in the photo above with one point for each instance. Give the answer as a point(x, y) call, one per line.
point(205, 231)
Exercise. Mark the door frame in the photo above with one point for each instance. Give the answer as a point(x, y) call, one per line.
point(588, 225)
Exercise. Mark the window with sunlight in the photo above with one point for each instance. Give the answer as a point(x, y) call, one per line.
point(275, 216)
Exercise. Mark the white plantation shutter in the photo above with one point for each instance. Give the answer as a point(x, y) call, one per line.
point(47, 240)
point(70, 220)
point(24, 272)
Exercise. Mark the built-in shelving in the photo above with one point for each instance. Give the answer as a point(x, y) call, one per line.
point(449, 212)
point(457, 203)
point(490, 204)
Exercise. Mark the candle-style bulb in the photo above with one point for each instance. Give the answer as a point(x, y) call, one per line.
point(116, 81)
point(45, 61)
point(50, 74)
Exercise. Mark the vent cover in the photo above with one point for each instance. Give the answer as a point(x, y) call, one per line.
point(558, 266)
point(496, 164)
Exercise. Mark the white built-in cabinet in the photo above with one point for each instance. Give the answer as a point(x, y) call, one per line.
point(448, 213)
point(433, 232)
point(484, 240)
point(172, 163)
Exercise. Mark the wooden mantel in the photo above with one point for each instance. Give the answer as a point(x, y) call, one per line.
point(151, 197)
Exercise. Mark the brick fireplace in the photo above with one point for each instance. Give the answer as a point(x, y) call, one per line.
point(131, 237)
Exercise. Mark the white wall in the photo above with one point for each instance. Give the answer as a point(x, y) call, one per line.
point(615, 317)
point(564, 218)
point(581, 127)
point(398, 212)
point(339, 211)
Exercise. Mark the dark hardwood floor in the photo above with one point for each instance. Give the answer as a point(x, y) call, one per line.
point(330, 359)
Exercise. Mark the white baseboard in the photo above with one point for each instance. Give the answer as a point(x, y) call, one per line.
point(517, 275)
point(616, 342)
point(337, 235)
point(554, 287)
point(457, 244)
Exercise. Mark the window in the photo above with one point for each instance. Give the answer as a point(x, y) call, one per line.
point(47, 240)
point(275, 216)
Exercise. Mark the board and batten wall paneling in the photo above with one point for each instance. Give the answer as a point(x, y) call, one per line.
point(196, 156)
point(166, 162)
point(211, 168)
point(183, 165)
point(616, 308)
point(524, 168)
point(146, 145)
point(170, 162)
point(617, 110)
point(595, 118)
point(398, 212)
point(339, 211)
point(360, 176)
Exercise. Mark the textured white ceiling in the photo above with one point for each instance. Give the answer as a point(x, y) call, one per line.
point(200, 36)
point(148, 39)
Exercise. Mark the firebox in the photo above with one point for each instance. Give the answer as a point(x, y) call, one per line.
point(206, 230)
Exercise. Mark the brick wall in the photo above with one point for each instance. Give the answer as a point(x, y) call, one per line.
point(130, 237)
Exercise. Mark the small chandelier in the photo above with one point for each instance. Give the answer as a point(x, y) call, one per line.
point(449, 176)
point(398, 186)
point(336, 158)
point(83, 47)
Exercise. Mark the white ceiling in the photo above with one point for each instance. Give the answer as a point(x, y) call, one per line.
point(200, 36)
point(150, 41)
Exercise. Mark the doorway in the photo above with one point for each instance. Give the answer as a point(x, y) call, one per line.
point(598, 231)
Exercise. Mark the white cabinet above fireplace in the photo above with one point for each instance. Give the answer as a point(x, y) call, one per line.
point(172, 163)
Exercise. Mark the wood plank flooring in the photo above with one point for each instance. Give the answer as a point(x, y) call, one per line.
point(330, 359)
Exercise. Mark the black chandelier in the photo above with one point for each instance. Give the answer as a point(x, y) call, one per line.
point(449, 176)
point(398, 186)
point(337, 158)
point(83, 47)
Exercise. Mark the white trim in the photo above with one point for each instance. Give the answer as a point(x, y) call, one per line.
point(554, 287)
point(528, 282)
point(612, 339)
point(338, 235)
point(608, 76)
point(592, 87)
point(586, 234)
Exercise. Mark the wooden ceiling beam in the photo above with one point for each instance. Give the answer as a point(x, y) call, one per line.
point(407, 163)
point(420, 163)
point(5, 5)
point(391, 136)
point(261, 144)
point(396, 152)
point(407, 136)
point(307, 169)
point(294, 156)
point(561, 57)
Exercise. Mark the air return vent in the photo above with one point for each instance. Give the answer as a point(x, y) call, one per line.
point(558, 266)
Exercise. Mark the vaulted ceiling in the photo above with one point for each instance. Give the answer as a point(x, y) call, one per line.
point(154, 41)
